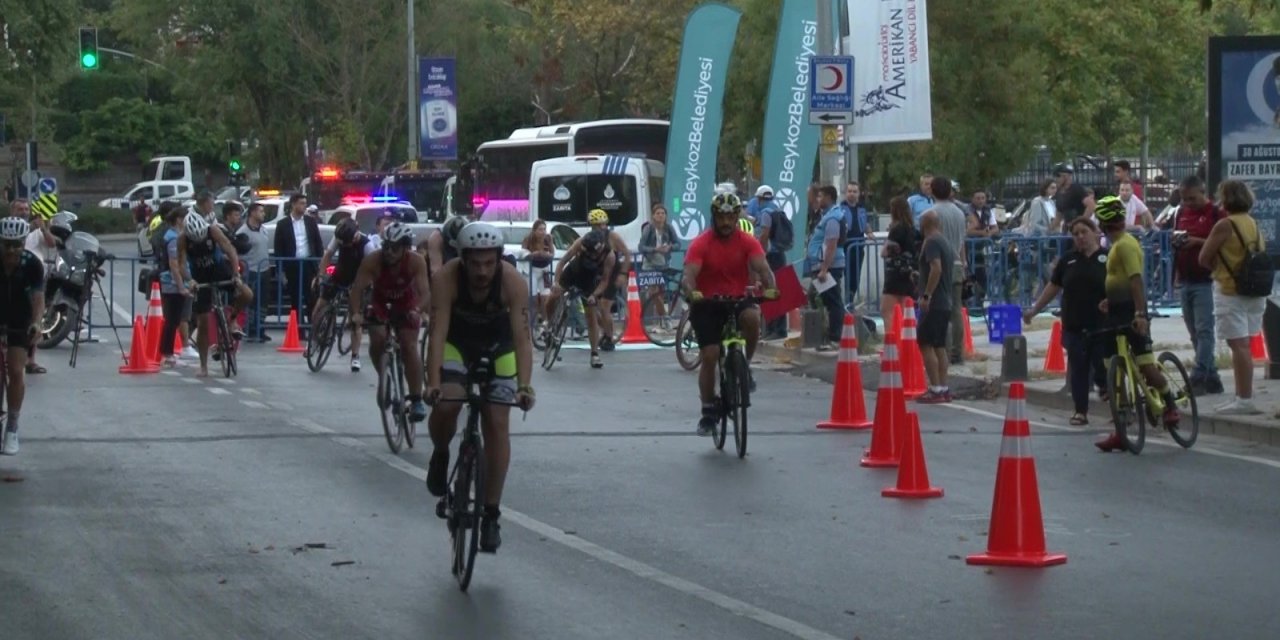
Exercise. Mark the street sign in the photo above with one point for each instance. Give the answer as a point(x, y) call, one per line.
point(830, 138)
point(48, 185)
point(30, 178)
point(831, 90)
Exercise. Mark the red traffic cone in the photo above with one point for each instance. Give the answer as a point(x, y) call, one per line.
point(912, 360)
point(292, 344)
point(635, 321)
point(913, 475)
point(895, 324)
point(1055, 361)
point(1016, 536)
point(1258, 348)
point(138, 361)
point(969, 351)
point(891, 411)
point(154, 325)
point(848, 409)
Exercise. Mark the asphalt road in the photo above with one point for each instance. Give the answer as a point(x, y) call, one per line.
point(163, 506)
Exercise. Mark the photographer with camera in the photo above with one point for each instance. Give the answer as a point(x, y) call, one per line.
point(1192, 224)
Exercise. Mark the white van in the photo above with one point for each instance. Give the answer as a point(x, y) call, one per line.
point(565, 189)
point(163, 178)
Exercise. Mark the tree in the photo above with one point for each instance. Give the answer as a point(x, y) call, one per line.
point(123, 127)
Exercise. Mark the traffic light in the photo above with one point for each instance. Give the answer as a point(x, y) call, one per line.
point(88, 48)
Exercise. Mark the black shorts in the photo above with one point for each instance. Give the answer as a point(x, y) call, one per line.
point(611, 291)
point(576, 277)
point(19, 338)
point(708, 320)
point(204, 296)
point(329, 290)
point(932, 331)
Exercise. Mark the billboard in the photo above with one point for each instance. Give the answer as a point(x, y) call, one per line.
point(437, 109)
point(889, 41)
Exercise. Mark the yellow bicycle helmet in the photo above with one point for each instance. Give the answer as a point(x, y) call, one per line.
point(597, 216)
point(746, 226)
point(1109, 209)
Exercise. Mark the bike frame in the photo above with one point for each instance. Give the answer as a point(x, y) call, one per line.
point(1137, 381)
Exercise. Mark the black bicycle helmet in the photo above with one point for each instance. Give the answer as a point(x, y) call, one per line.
point(346, 231)
point(452, 227)
point(594, 243)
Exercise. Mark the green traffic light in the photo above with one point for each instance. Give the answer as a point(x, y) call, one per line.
point(88, 60)
point(235, 165)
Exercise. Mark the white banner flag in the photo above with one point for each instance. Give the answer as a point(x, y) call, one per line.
point(889, 41)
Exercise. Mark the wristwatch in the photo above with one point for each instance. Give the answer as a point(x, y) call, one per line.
point(924, 297)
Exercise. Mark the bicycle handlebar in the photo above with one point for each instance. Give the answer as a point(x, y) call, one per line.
point(219, 283)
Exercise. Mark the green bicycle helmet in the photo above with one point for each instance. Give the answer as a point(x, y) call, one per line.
point(1109, 209)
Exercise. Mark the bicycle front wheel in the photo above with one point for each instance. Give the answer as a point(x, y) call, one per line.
point(407, 426)
point(1128, 409)
point(687, 352)
point(661, 328)
point(728, 403)
point(737, 362)
point(390, 403)
point(1188, 428)
point(320, 342)
point(467, 501)
point(225, 347)
point(555, 336)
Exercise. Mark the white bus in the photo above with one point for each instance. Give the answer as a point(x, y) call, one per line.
point(501, 189)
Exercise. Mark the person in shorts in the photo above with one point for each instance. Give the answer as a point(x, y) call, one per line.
point(937, 259)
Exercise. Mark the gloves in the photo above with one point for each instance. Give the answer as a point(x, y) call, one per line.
point(771, 294)
point(695, 296)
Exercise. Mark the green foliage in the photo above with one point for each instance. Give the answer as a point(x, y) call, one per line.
point(121, 127)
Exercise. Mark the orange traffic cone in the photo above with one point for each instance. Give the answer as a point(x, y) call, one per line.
point(793, 321)
point(912, 360)
point(1259, 349)
point(913, 475)
point(635, 322)
point(848, 410)
point(895, 324)
point(1016, 536)
point(154, 324)
point(292, 344)
point(1055, 361)
point(969, 351)
point(891, 411)
point(138, 361)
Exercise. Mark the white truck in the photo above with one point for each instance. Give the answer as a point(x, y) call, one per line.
point(565, 189)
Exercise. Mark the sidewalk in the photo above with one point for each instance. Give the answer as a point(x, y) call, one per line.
point(979, 376)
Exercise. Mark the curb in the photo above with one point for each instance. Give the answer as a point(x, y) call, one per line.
point(818, 365)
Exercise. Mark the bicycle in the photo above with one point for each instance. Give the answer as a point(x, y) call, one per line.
point(558, 326)
point(1133, 403)
point(687, 349)
point(734, 374)
point(330, 325)
point(393, 402)
point(657, 326)
point(226, 342)
point(462, 508)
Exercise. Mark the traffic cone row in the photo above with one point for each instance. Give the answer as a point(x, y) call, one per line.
point(913, 376)
point(913, 474)
point(154, 325)
point(848, 409)
point(635, 322)
point(138, 361)
point(891, 411)
point(969, 351)
point(1055, 359)
point(1258, 348)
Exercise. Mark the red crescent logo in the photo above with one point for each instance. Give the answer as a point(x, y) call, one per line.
point(839, 77)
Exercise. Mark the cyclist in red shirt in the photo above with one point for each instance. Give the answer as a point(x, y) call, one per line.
point(720, 262)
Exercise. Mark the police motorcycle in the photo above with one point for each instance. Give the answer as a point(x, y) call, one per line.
point(70, 280)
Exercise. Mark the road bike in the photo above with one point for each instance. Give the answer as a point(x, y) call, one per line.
point(1133, 402)
point(662, 308)
point(686, 343)
point(733, 372)
point(225, 342)
point(330, 327)
point(463, 507)
point(393, 402)
point(554, 337)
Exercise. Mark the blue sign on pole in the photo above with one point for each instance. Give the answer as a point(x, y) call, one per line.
point(437, 109)
point(48, 185)
point(831, 90)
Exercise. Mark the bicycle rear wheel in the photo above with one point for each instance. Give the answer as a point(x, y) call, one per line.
point(737, 362)
point(619, 315)
point(687, 351)
point(658, 326)
point(467, 501)
point(728, 401)
point(407, 426)
point(555, 335)
point(390, 404)
point(340, 333)
point(225, 347)
point(1185, 433)
point(320, 341)
point(1128, 409)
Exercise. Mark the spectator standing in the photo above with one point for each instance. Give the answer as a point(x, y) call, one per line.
point(953, 225)
point(901, 258)
point(1195, 219)
point(1124, 173)
point(1238, 318)
point(922, 200)
point(298, 243)
point(826, 261)
point(1070, 197)
point(258, 267)
point(937, 261)
point(858, 233)
point(774, 253)
point(1136, 215)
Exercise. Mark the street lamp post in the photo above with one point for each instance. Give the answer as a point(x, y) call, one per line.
point(411, 104)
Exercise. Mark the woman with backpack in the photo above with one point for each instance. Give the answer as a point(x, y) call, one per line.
point(1239, 279)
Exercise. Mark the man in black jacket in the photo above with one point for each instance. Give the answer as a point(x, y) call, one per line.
point(298, 247)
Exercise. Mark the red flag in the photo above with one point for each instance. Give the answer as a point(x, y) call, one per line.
point(791, 294)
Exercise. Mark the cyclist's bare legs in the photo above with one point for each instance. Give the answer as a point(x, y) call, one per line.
point(356, 336)
point(16, 362)
point(1155, 378)
point(244, 295)
point(604, 311)
point(412, 363)
point(443, 421)
point(593, 325)
point(496, 424)
point(202, 342)
point(710, 356)
point(377, 344)
point(749, 325)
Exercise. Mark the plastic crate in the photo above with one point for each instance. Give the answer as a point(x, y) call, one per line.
point(1003, 320)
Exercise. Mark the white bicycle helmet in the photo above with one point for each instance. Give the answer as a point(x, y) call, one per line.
point(398, 233)
point(14, 229)
point(479, 235)
point(197, 227)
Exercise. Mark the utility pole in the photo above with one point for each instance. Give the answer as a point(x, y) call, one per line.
point(411, 89)
point(827, 160)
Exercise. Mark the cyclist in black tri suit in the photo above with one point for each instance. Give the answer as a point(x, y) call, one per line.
point(21, 309)
point(584, 267)
point(481, 308)
point(442, 245)
point(207, 252)
point(351, 247)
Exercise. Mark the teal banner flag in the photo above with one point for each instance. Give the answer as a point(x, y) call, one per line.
point(790, 142)
point(697, 114)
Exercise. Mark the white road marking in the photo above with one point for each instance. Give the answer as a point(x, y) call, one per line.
point(283, 406)
point(252, 392)
point(219, 391)
point(224, 381)
point(1198, 448)
point(170, 372)
point(253, 404)
point(118, 311)
point(190, 380)
point(630, 565)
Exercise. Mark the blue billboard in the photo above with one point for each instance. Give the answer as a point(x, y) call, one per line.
point(437, 109)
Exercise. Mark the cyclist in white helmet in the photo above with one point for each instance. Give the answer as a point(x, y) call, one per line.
point(401, 294)
point(209, 255)
point(21, 308)
point(481, 309)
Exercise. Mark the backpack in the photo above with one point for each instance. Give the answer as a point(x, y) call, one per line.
point(781, 233)
point(1256, 273)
